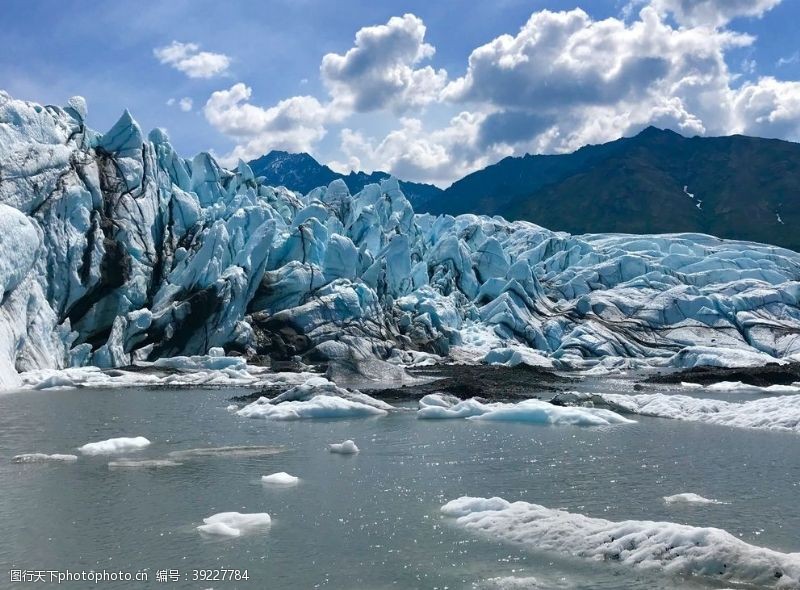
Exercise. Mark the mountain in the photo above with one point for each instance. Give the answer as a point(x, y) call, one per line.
point(302, 173)
point(658, 181)
point(116, 250)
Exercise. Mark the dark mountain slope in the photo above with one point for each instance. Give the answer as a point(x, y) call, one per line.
point(744, 188)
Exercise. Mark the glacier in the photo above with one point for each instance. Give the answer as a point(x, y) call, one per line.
point(115, 250)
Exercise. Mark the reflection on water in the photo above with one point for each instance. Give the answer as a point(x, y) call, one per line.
point(369, 520)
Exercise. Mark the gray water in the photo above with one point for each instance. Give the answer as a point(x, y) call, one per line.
point(365, 521)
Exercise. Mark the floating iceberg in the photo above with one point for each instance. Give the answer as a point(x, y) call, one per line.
point(280, 479)
point(773, 413)
point(43, 458)
point(347, 447)
point(689, 498)
point(235, 524)
point(114, 251)
point(674, 549)
point(315, 398)
point(115, 445)
point(531, 411)
point(323, 406)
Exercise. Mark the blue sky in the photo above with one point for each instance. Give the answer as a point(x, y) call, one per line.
point(427, 90)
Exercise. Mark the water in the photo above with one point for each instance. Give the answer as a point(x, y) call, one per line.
point(365, 521)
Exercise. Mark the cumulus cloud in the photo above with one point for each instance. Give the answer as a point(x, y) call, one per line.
point(415, 153)
point(187, 58)
point(562, 81)
point(768, 108)
point(379, 71)
point(294, 124)
point(713, 13)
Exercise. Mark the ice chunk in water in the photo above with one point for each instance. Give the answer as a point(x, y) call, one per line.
point(347, 447)
point(43, 458)
point(674, 549)
point(234, 524)
point(280, 479)
point(689, 498)
point(111, 446)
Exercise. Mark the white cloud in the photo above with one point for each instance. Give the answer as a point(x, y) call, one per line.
point(187, 58)
point(414, 153)
point(787, 61)
point(185, 104)
point(768, 108)
point(566, 80)
point(562, 81)
point(294, 124)
point(379, 72)
point(714, 13)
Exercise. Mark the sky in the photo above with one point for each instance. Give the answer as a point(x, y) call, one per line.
point(426, 90)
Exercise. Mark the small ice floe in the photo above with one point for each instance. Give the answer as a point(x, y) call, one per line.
point(142, 464)
point(43, 458)
point(689, 498)
point(322, 406)
point(236, 451)
point(739, 386)
point(674, 549)
point(347, 447)
point(111, 446)
point(315, 398)
point(235, 524)
point(772, 413)
point(232, 408)
point(280, 479)
point(532, 411)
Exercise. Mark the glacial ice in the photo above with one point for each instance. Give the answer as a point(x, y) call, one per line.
point(117, 251)
point(689, 498)
point(772, 413)
point(347, 447)
point(43, 458)
point(235, 524)
point(674, 549)
point(531, 411)
point(111, 446)
point(280, 479)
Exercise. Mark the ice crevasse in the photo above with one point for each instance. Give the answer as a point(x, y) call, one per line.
point(115, 249)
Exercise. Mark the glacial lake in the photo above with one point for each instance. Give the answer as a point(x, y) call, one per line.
point(370, 520)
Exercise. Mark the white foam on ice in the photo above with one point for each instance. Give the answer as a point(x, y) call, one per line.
point(142, 464)
point(773, 413)
point(111, 446)
point(347, 447)
point(280, 479)
point(690, 498)
point(322, 406)
point(531, 411)
point(43, 458)
point(235, 524)
point(674, 549)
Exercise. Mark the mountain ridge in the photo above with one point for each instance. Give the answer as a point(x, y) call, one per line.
point(657, 181)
